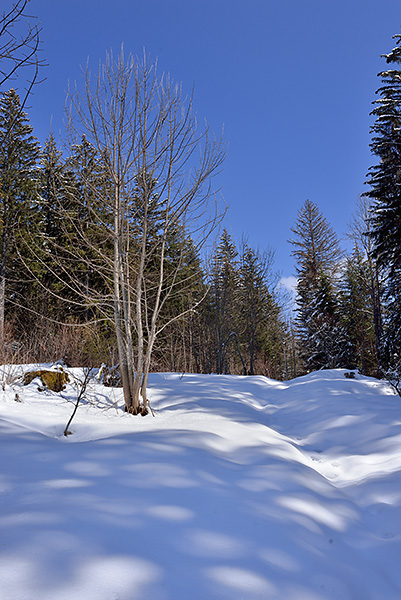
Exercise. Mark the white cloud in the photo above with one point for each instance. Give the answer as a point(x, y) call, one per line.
point(290, 284)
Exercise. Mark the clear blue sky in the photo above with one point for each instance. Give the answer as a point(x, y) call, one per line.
point(291, 81)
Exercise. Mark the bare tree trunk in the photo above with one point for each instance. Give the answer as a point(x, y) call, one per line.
point(377, 309)
point(4, 249)
point(157, 168)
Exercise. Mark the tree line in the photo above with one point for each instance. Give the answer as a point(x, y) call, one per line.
point(103, 244)
point(349, 307)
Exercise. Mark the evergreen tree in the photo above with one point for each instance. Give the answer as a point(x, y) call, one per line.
point(316, 246)
point(385, 177)
point(323, 340)
point(243, 314)
point(86, 227)
point(181, 344)
point(391, 345)
point(317, 251)
point(51, 187)
point(19, 152)
point(223, 305)
point(363, 274)
point(385, 193)
point(357, 313)
point(262, 331)
point(57, 236)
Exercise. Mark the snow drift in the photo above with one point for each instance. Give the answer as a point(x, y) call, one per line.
point(239, 488)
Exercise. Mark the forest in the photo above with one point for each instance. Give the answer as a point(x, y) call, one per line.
point(114, 251)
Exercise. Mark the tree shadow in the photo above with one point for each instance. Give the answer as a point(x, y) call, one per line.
point(174, 514)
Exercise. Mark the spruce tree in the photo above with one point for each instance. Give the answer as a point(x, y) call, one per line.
point(261, 330)
point(54, 235)
point(243, 314)
point(385, 177)
point(51, 187)
point(363, 268)
point(357, 313)
point(223, 303)
point(181, 343)
point(19, 152)
point(385, 193)
point(318, 252)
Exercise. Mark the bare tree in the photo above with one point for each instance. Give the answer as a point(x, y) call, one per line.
point(156, 164)
point(19, 48)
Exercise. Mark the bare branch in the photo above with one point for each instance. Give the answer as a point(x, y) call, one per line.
point(19, 51)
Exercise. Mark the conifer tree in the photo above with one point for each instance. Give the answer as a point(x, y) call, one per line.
point(86, 216)
point(59, 194)
point(385, 193)
point(31, 287)
point(357, 313)
point(317, 251)
point(367, 271)
point(52, 188)
point(262, 331)
point(18, 158)
point(181, 345)
point(385, 177)
point(223, 305)
point(243, 313)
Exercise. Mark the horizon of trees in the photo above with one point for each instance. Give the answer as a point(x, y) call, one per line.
point(101, 246)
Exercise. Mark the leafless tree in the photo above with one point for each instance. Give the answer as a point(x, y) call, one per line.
point(157, 163)
point(19, 48)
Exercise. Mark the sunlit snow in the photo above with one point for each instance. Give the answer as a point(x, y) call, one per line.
point(238, 487)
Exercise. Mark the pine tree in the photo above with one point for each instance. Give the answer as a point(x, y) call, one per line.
point(181, 344)
point(243, 313)
point(52, 242)
point(363, 274)
point(262, 332)
point(385, 193)
point(385, 177)
point(86, 225)
point(317, 252)
point(356, 304)
point(223, 306)
point(52, 188)
point(19, 152)
point(316, 244)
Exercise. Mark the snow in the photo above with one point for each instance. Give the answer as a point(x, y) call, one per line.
point(239, 488)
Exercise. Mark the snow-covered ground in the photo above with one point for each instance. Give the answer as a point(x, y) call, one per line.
point(238, 488)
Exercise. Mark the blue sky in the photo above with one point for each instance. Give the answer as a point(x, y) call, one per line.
point(291, 82)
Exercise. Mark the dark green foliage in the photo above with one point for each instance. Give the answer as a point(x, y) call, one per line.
point(19, 152)
point(357, 313)
point(385, 177)
point(243, 315)
point(391, 342)
point(223, 304)
point(316, 245)
point(261, 330)
point(385, 193)
point(322, 338)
